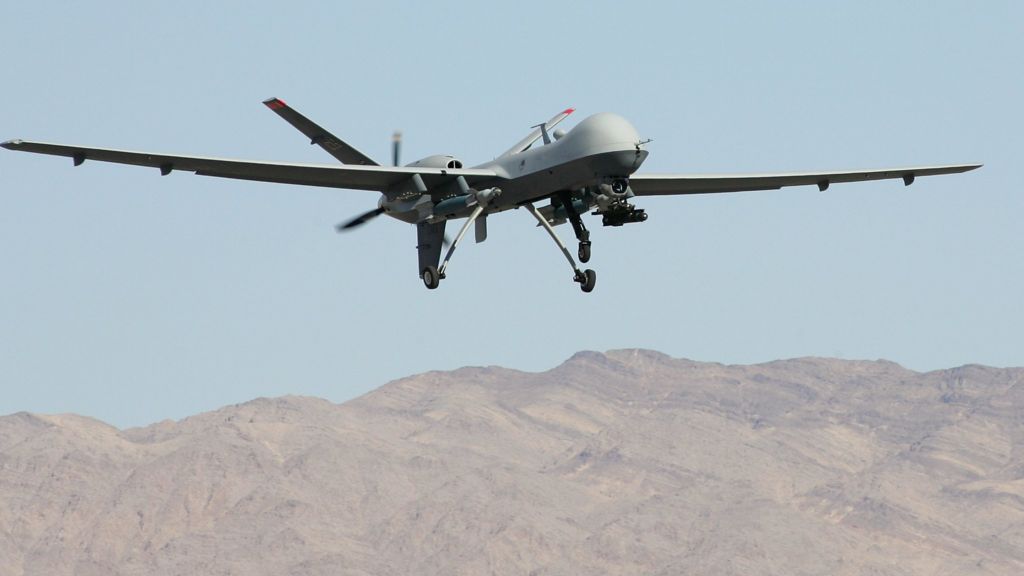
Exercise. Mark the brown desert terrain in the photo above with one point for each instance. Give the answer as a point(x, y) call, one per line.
point(629, 462)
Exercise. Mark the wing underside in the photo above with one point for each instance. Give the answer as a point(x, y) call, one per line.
point(667, 184)
point(378, 178)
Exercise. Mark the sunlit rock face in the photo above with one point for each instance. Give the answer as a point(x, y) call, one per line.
point(629, 462)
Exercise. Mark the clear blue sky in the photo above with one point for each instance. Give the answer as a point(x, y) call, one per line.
point(133, 298)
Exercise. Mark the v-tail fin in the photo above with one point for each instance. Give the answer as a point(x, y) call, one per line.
point(538, 132)
point(317, 135)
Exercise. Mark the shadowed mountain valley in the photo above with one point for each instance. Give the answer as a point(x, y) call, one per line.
point(629, 462)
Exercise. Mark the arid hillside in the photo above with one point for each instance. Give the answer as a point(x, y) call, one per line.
point(629, 462)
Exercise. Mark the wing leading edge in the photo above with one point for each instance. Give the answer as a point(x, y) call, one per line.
point(378, 178)
point(667, 184)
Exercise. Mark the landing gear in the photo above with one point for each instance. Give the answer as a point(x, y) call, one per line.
point(582, 234)
point(431, 240)
point(458, 238)
point(584, 251)
point(431, 277)
point(586, 278)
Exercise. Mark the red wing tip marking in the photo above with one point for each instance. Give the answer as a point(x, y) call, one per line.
point(568, 111)
point(274, 103)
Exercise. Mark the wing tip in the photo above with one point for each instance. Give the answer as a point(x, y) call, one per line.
point(568, 110)
point(961, 168)
point(274, 103)
point(11, 144)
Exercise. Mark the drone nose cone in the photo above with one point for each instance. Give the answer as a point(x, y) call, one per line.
point(610, 141)
point(602, 133)
point(621, 162)
point(609, 128)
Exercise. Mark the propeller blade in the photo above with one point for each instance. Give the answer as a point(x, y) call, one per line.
point(360, 220)
point(396, 145)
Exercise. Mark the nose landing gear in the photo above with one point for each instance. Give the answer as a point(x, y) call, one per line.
point(582, 234)
point(584, 251)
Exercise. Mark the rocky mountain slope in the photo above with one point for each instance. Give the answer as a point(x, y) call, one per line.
point(628, 462)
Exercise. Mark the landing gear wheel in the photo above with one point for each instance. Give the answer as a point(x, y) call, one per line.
point(589, 280)
point(431, 279)
point(584, 252)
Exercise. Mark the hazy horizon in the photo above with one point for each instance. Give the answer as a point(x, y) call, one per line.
point(574, 357)
point(133, 297)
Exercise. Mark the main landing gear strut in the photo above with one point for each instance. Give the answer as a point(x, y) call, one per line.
point(431, 274)
point(430, 237)
point(586, 278)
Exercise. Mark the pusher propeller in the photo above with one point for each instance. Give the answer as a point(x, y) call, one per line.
point(396, 145)
point(359, 220)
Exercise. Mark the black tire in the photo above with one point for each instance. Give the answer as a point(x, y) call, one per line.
point(588, 284)
point(431, 279)
point(584, 253)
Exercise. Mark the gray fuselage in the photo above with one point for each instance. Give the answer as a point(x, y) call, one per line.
point(601, 147)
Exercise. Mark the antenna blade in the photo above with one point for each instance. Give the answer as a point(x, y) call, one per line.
point(396, 146)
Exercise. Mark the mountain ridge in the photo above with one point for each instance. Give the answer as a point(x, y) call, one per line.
point(623, 462)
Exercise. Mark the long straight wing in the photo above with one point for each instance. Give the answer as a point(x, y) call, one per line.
point(538, 132)
point(334, 146)
point(664, 184)
point(379, 178)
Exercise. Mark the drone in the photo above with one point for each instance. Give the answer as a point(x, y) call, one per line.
point(589, 169)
